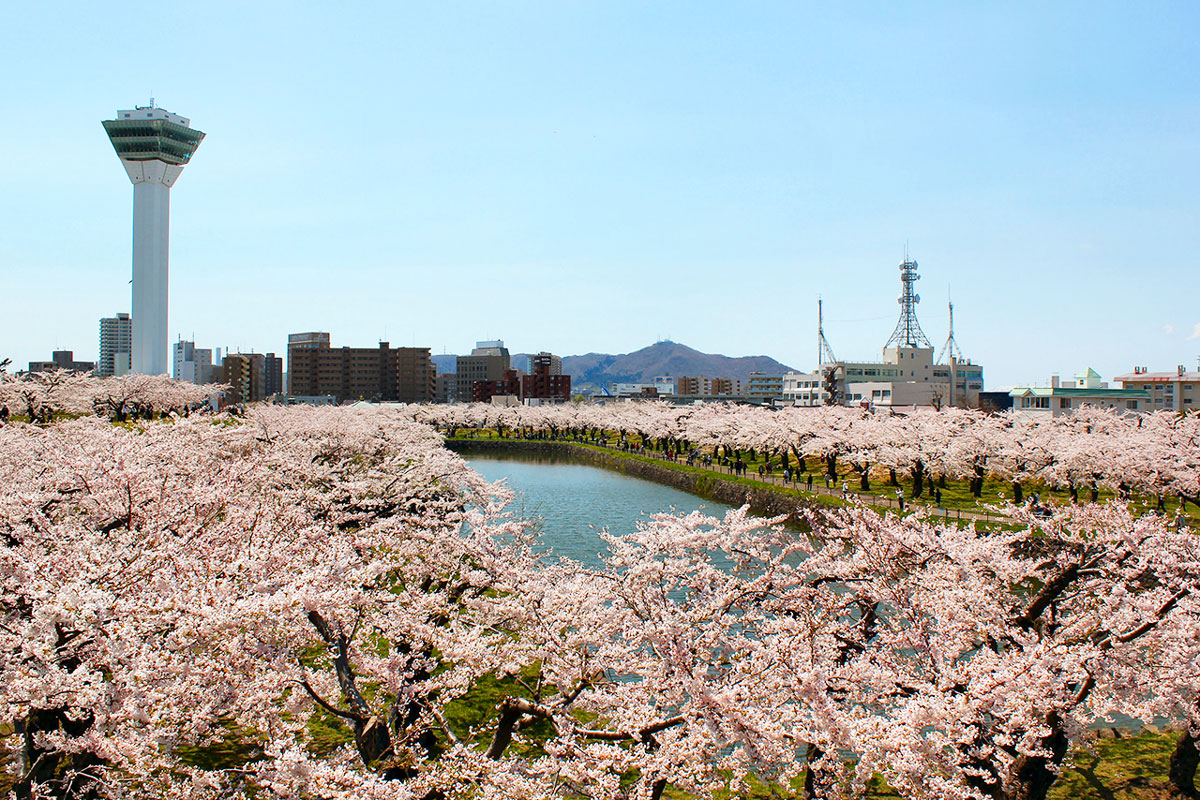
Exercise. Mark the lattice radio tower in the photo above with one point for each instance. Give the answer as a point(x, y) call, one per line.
point(824, 351)
point(908, 331)
point(951, 346)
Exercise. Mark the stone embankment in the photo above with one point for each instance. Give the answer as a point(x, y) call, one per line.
point(762, 500)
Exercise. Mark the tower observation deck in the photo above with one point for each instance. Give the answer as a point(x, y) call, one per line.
point(154, 145)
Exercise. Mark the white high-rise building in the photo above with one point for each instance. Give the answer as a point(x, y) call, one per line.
point(192, 364)
point(116, 340)
point(153, 145)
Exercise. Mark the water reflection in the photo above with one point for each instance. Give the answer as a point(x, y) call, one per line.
point(570, 501)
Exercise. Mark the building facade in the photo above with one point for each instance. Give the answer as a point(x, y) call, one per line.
point(1057, 399)
point(190, 363)
point(546, 381)
point(445, 388)
point(383, 373)
point(804, 389)
point(272, 375)
point(762, 385)
point(246, 375)
point(700, 386)
point(64, 360)
point(116, 344)
point(489, 361)
point(905, 376)
point(1166, 391)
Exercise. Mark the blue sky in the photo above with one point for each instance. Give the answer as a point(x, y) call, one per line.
point(595, 176)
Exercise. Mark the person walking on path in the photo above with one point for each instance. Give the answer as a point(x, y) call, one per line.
point(845, 490)
point(900, 498)
point(809, 481)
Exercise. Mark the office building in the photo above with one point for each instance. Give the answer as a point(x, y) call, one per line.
point(190, 363)
point(489, 361)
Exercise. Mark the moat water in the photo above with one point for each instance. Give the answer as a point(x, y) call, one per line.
point(571, 502)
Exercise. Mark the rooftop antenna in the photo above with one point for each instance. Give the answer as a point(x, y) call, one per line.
point(951, 346)
point(908, 331)
point(824, 351)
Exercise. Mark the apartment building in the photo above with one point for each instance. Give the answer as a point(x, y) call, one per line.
point(1166, 391)
point(384, 373)
point(116, 345)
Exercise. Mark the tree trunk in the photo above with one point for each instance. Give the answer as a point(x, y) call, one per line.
point(57, 774)
point(1182, 772)
point(1018, 492)
point(892, 478)
point(1032, 776)
point(819, 784)
point(918, 477)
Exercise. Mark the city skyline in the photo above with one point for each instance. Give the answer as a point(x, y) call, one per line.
point(693, 172)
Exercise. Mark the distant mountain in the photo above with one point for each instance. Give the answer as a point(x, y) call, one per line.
point(591, 371)
point(444, 363)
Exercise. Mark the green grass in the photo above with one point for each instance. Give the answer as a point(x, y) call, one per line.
point(1129, 768)
point(956, 495)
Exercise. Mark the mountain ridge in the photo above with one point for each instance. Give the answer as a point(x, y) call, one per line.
point(592, 371)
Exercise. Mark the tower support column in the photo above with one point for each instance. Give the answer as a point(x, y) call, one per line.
point(151, 235)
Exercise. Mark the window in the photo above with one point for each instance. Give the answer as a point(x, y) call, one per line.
point(1133, 405)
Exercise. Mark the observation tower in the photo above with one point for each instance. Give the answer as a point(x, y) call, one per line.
point(154, 145)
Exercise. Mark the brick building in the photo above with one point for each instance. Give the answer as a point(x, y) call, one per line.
point(403, 374)
point(246, 375)
point(482, 391)
point(545, 381)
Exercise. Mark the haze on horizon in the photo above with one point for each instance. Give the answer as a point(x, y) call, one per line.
point(595, 177)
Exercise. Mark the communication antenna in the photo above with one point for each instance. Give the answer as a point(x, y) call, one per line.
point(908, 331)
point(951, 346)
point(824, 351)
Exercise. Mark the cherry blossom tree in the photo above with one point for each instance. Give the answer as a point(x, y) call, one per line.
point(167, 585)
